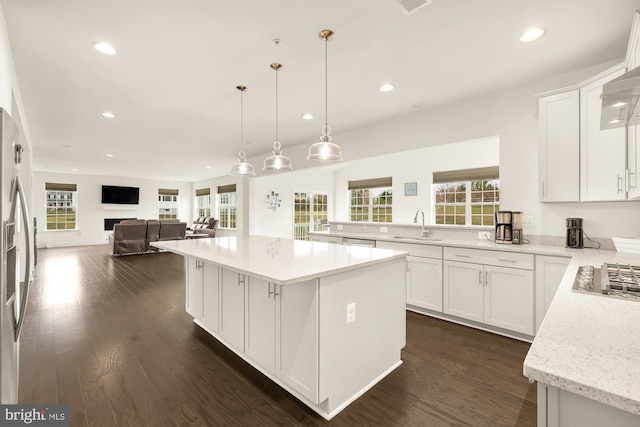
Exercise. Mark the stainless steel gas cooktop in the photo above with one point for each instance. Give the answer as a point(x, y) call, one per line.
point(614, 280)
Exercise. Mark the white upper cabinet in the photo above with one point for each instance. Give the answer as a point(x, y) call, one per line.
point(559, 124)
point(633, 162)
point(633, 50)
point(602, 152)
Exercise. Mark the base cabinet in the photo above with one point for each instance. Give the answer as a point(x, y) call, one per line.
point(549, 272)
point(193, 295)
point(561, 408)
point(424, 273)
point(232, 288)
point(491, 294)
point(463, 290)
point(260, 325)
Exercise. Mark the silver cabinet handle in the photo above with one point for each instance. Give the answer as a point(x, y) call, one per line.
point(627, 185)
point(506, 260)
point(486, 278)
point(269, 293)
point(543, 193)
point(462, 256)
point(619, 184)
point(275, 294)
point(480, 277)
point(240, 279)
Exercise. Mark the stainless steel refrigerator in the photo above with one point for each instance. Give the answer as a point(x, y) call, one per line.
point(16, 238)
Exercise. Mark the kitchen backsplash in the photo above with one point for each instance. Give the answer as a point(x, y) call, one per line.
point(452, 232)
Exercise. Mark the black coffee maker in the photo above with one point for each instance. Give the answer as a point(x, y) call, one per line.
point(574, 233)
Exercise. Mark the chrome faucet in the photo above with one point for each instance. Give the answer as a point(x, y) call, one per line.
point(415, 221)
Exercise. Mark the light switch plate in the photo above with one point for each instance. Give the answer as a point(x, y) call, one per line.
point(339, 226)
point(384, 229)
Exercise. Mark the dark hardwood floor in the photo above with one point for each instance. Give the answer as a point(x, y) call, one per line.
point(110, 337)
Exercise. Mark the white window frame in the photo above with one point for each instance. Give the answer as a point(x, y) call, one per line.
point(203, 205)
point(370, 206)
point(487, 207)
point(227, 210)
point(168, 206)
point(63, 200)
point(301, 229)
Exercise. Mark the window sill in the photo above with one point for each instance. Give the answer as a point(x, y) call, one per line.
point(56, 231)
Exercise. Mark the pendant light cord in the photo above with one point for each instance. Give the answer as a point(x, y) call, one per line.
point(241, 121)
point(277, 104)
point(326, 82)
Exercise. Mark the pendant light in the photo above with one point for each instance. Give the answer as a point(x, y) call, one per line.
point(242, 167)
point(325, 150)
point(277, 161)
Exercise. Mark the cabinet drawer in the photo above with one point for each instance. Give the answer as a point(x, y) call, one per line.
point(488, 257)
point(425, 251)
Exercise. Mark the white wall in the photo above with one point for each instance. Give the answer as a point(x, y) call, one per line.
point(414, 166)
point(279, 223)
point(91, 213)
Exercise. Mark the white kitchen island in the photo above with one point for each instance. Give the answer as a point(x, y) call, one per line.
point(325, 322)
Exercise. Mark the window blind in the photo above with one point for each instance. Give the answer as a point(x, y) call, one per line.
point(477, 174)
point(56, 186)
point(167, 192)
point(203, 192)
point(231, 188)
point(370, 183)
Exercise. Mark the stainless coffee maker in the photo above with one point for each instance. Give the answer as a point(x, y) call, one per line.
point(504, 227)
point(574, 233)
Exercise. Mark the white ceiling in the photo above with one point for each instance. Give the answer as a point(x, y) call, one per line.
point(172, 83)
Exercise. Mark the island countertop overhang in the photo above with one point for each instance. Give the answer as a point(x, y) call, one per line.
point(279, 260)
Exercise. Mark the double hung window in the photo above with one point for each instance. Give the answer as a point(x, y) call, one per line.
point(227, 206)
point(370, 200)
point(167, 203)
point(61, 205)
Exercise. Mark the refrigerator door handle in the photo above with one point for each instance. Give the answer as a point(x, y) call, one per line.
point(18, 193)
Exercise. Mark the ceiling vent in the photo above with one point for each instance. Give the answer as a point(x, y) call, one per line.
point(409, 6)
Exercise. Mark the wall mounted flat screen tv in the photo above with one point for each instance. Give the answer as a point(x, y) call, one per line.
point(120, 195)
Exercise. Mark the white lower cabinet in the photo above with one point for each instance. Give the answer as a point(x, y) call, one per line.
point(282, 332)
point(232, 288)
point(193, 295)
point(202, 295)
point(508, 298)
point(549, 272)
point(495, 295)
point(326, 239)
point(424, 280)
point(463, 290)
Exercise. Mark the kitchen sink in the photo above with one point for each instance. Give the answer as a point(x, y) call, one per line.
point(426, 239)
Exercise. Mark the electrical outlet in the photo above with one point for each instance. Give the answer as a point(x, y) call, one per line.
point(351, 312)
point(527, 220)
point(484, 235)
point(339, 227)
point(384, 229)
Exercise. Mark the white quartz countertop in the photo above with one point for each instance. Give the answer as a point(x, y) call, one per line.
point(278, 260)
point(590, 344)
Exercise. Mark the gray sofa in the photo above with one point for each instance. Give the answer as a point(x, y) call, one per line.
point(204, 225)
point(134, 236)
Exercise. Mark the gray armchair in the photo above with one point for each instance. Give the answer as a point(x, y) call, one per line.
point(128, 238)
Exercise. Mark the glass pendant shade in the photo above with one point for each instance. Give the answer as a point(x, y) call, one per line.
point(277, 161)
point(242, 167)
point(325, 150)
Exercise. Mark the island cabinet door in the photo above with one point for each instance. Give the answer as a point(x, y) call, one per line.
point(297, 337)
point(508, 298)
point(210, 297)
point(463, 290)
point(260, 333)
point(232, 287)
point(193, 294)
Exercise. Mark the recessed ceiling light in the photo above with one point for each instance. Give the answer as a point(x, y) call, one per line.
point(74, 170)
point(108, 115)
point(614, 121)
point(619, 104)
point(387, 87)
point(109, 155)
point(531, 34)
point(208, 167)
point(307, 116)
point(105, 48)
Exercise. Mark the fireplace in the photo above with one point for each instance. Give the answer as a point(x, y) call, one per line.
point(110, 222)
